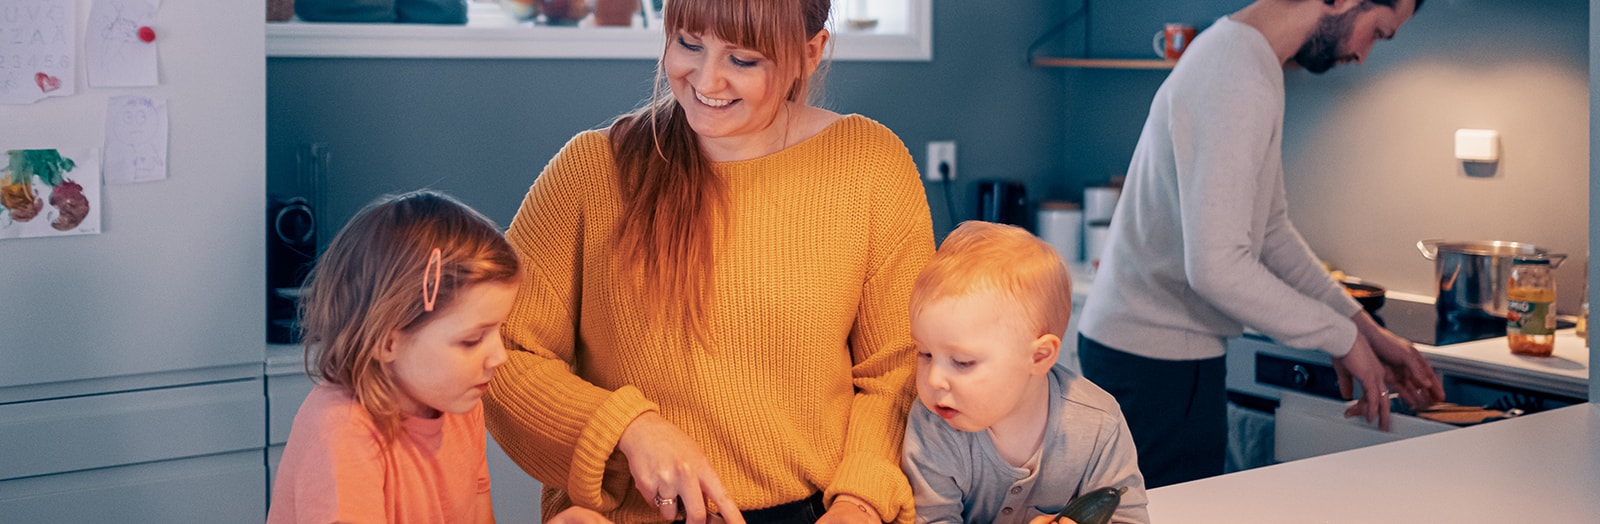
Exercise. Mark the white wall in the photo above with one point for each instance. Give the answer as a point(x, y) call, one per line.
point(1369, 149)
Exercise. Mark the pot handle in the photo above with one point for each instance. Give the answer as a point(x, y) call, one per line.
point(1556, 259)
point(1430, 248)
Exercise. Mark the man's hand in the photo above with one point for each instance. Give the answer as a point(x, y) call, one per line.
point(1409, 373)
point(1384, 363)
point(1363, 365)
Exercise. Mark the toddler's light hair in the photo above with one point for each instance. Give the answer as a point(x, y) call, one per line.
point(985, 256)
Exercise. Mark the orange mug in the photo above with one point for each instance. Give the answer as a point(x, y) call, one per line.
point(1172, 40)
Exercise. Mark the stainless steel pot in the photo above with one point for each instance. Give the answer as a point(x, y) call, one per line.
point(1472, 275)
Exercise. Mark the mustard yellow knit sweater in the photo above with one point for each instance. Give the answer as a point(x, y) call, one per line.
point(810, 378)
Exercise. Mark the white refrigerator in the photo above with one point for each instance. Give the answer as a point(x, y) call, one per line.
point(131, 355)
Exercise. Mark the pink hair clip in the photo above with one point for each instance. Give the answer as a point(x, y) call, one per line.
point(436, 268)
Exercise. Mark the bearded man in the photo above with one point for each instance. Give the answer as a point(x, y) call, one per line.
point(1201, 245)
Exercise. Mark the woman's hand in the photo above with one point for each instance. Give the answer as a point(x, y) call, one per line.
point(670, 470)
point(849, 509)
point(577, 515)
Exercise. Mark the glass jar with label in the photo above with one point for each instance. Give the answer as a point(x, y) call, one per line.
point(1583, 307)
point(1530, 306)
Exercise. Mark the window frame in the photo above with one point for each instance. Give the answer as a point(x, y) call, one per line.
point(324, 40)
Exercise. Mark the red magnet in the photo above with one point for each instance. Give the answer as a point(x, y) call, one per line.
point(146, 34)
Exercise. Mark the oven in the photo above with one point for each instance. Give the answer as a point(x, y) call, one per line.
point(1285, 403)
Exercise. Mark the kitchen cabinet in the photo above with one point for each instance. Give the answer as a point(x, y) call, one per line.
point(210, 488)
point(1308, 421)
point(1308, 426)
point(155, 455)
point(287, 386)
point(130, 368)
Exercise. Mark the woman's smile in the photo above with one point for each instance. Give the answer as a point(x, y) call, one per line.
point(714, 103)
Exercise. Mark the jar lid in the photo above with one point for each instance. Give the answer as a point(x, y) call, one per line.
point(1536, 259)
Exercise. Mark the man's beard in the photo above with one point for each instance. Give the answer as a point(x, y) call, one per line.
point(1321, 52)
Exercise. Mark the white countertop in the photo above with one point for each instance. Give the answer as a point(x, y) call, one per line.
point(286, 359)
point(1565, 372)
point(1541, 468)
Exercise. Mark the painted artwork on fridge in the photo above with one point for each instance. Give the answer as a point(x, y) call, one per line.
point(50, 192)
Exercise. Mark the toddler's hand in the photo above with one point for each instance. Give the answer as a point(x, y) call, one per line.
point(577, 515)
point(1046, 519)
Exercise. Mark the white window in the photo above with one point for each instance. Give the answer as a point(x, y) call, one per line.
point(894, 30)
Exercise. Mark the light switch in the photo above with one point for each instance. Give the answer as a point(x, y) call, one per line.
point(1478, 145)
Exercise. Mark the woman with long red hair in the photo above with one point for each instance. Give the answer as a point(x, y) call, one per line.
point(713, 314)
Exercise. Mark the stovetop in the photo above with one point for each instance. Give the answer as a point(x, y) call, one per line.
point(1422, 324)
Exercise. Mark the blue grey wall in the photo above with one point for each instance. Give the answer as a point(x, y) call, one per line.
point(1368, 149)
point(482, 129)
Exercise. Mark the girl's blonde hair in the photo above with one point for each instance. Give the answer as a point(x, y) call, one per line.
point(671, 198)
point(370, 284)
point(984, 256)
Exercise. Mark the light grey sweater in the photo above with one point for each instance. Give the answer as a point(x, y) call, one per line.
point(1200, 244)
point(958, 476)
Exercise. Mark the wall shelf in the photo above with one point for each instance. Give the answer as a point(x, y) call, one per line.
point(1104, 63)
point(1088, 46)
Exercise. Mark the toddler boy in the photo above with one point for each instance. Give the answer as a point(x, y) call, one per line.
point(1002, 434)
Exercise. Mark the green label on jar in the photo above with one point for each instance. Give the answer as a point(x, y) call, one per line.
point(1529, 318)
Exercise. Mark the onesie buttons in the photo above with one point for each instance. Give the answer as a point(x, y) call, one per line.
point(1016, 489)
point(1006, 511)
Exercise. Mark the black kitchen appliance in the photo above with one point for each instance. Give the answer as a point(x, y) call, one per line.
point(1425, 324)
point(1002, 201)
point(291, 250)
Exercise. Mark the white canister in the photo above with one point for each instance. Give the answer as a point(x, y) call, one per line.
point(1094, 242)
point(1100, 202)
point(1061, 225)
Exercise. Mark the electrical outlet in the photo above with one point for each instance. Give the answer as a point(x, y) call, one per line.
point(941, 161)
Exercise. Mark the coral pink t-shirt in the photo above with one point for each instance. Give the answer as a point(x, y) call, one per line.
point(335, 468)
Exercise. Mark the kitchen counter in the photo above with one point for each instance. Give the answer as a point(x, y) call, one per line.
point(1542, 468)
point(286, 359)
point(1565, 372)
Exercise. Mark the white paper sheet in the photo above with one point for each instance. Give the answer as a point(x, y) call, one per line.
point(116, 56)
point(38, 51)
point(64, 200)
point(136, 139)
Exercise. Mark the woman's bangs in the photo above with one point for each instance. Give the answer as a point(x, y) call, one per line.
point(755, 25)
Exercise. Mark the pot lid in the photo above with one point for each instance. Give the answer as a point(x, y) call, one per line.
point(1485, 247)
